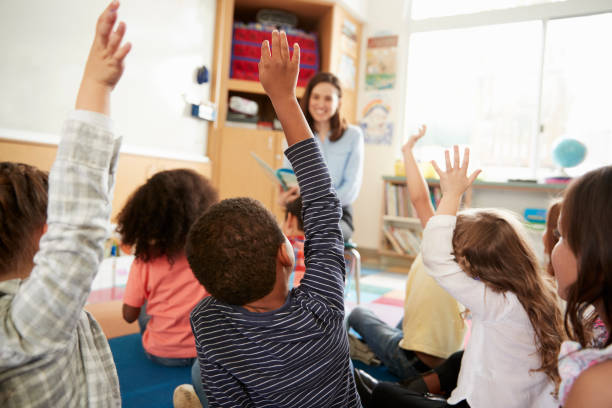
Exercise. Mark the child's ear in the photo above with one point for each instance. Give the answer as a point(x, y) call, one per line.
point(285, 254)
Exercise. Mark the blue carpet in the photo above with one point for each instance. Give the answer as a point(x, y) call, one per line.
point(380, 373)
point(142, 382)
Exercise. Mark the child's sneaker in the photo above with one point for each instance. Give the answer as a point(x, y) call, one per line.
point(361, 351)
point(185, 397)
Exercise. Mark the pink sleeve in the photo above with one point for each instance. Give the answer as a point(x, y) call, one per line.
point(134, 294)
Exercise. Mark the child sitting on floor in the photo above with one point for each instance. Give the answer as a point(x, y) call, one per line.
point(293, 228)
point(156, 220)
point(52, 352)
point(258, 343)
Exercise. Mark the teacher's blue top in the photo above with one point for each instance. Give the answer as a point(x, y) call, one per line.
point(344, 159)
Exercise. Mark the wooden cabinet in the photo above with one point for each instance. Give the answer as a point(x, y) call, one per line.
point(235, 172)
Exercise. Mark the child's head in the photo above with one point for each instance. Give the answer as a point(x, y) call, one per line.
point(294, 224)
point(551, 234)
point(233, 248)
point(23, 214)
point(158, 215)
point(582, 259)
point(491, 245)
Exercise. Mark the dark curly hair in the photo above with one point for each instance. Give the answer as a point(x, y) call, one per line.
point(232, 250)
point(295, 208)
point(158, 215)
point(24, 193)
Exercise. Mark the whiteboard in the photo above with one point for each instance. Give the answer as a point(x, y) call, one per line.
point(44, 46)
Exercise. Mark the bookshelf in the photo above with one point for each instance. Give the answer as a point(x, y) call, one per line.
point(234, 172)
point(398, 217)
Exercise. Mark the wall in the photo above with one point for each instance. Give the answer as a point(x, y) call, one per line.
point(44, 46)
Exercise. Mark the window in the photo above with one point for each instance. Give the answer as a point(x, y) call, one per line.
point(509, 91)
point(422, 9)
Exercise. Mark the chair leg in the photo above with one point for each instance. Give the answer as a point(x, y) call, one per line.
point(356, 269)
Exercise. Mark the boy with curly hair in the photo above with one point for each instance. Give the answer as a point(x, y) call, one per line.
point(258, 343)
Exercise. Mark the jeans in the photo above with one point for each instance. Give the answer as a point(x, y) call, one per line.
point(143, 320)
point(383, 340)
point(196, 379)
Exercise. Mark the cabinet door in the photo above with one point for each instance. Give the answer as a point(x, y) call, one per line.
point(240, 174)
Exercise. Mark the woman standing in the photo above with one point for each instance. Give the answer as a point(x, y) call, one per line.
point(341, 144)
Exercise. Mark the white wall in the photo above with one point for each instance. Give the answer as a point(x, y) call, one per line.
point(44, 45)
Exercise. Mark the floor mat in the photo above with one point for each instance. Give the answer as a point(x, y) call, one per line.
point(142, 382)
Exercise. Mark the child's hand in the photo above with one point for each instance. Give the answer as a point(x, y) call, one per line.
point(105, 61)
point(407, 147)
point(285, 197)
point(277, 72)
point(454, 181)
point(104, 64)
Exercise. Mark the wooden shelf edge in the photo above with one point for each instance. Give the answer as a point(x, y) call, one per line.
point(402, 220)
point(388, 252)
point(241, 85)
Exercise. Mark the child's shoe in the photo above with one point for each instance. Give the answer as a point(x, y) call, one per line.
point(185, 397)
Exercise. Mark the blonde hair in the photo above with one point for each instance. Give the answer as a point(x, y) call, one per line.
point(491, 245)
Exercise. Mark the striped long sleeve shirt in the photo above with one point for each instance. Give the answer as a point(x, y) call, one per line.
point(295, 356)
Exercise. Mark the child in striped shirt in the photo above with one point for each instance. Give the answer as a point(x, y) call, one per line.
point(260, 344)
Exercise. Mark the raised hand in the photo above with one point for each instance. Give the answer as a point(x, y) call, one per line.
point(104, 65)
point(407, 147)
point(454, 181)
point(278, 72)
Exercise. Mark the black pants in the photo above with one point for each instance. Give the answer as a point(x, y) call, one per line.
point(346, 222)
point(393, 395)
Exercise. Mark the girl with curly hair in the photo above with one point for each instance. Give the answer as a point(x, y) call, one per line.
point(161, 290)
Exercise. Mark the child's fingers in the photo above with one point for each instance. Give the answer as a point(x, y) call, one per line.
point(466, 158)
point(115, 38)
point(436, 168)
point(456, 157)
point(106, 21)
point(122, 52)
point(284, 47)
point(473, 176)
point(448, 162)
point(295, 59)
point(265, 51)
point(275, 44)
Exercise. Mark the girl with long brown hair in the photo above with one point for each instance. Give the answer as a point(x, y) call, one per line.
point(582, 263)
point(483, 259)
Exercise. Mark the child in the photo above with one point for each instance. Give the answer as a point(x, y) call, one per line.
point(293, 228)
point(582, 265)
point(432, 327)
point(53, 353)
point(482, 259)
point(551, 236)
point(258, 343)
point(155, 220)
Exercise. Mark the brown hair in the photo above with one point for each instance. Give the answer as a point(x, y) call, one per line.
point(232, 250)
point(586, 223)
point(158, 215)
point(338, 123)
point(490, 245)
point(552, 234)
point(23, 213)
point(295, 208)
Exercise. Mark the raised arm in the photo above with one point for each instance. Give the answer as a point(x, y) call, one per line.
point(323, 249)
point(47, 306)
point(417, 186)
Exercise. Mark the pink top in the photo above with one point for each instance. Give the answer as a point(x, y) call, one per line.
point(573, 359)
point(171, 292)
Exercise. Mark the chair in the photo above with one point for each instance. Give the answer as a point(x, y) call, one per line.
point(351, 255)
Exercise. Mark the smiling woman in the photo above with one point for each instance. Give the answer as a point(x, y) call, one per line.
point(341, 143)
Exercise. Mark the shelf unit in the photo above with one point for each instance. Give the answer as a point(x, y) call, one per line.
point(386, 247)
point(234, 172)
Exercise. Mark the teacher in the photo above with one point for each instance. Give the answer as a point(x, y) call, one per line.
point(341, 144)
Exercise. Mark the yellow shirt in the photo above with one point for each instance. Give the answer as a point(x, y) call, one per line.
point(432, 318)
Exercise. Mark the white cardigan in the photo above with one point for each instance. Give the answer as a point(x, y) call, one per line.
point(495, 370)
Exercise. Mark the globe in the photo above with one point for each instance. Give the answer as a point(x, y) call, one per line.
point(568, 152)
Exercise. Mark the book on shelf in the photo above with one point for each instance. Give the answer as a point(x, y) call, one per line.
point(402, 240)
point(392, 240)
point(284, 177)
point(397, 201)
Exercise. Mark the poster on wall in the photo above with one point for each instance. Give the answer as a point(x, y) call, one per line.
point(347, 71)
point(381, 62)
point(376, 121)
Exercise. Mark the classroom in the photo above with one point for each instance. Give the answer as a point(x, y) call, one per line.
point(334, 203)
